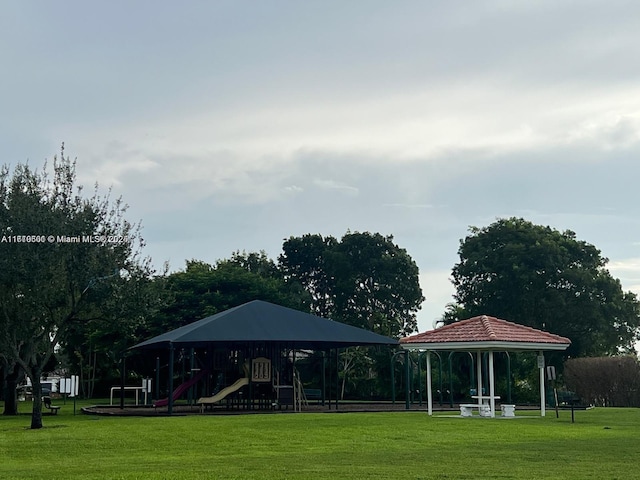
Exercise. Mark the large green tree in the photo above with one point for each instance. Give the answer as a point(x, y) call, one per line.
point(306, 259)
point(202, 289)
point(547, 279)
point(64, 260)
point(365, 280)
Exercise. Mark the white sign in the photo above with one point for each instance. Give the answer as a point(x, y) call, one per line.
point(551, 372)
point(146, 385)
point(70, 385)
point(75, 383)
point(540, 361)
point(65, 385)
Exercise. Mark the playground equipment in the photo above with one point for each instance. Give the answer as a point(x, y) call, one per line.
point(265, 388)
point(180, 389)
point(222, 394)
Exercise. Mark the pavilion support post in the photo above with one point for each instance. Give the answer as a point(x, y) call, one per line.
point(479, 375)
point(192, 366)
point(492, 389)
point(170, 393)
point(393, 379)
point(429, 393)
point(324, 379)
point(407, 388)
point(297, 404)
point(508, 377)
point(123, 379)
point(419, 379)
point(157, 394)
point(337, 376)
point(330, 378)
point(542, 392)
point(450, 380)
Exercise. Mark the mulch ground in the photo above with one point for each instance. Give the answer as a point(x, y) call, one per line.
point(181, 409)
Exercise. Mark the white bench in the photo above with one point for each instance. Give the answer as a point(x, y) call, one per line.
point(508, 410)
point(466, 409)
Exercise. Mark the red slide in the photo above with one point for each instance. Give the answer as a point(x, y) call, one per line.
point(177, 393)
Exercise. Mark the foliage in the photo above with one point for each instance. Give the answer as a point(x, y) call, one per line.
point(452, 313)
point(546, 279)
point(94, 348)
point(605, 381)
point(355, 365)
point(364, 280)
point(67, 263)
point(602, 443)
point(202, 290)
point(305, 259)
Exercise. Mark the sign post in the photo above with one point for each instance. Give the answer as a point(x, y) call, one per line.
point(542, 380)
point(69, 386)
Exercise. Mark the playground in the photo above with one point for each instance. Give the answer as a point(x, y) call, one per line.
point(602, 443)
point(246, 358)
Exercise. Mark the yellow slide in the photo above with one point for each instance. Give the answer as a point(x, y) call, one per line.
point(241, 382)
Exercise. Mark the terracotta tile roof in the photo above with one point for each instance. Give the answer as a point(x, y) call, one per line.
point(486, 329)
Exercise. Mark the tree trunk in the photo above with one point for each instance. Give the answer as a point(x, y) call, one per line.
point(36, 414)
point(10, 393)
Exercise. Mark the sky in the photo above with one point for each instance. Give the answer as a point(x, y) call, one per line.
point(234, 125)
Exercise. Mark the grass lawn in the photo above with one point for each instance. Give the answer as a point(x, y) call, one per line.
point(602, 444)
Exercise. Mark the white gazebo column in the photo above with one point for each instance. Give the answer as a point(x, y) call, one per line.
point(492, 388)
point(543, 401)
point(429, 393)
point(479, 376)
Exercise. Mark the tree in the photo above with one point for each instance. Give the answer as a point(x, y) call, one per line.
point(305, 259)
point(452, 313)
point(11, 373)
point(546, 279)
point(364, 280)
point(63, 258)
point(202, 289)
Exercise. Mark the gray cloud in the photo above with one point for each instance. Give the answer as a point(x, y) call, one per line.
point(227, 126)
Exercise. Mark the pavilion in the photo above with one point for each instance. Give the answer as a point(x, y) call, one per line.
point(485, 334)
point(259, 331)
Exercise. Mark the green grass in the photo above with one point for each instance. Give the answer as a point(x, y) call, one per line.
point(602, 444)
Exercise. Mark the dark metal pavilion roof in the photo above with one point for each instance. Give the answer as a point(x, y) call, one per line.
point(263, 322)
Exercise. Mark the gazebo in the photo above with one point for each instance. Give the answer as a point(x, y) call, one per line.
point(485, 334)
point(261, 330)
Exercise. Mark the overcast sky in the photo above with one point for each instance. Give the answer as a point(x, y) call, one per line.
point(232, 125)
